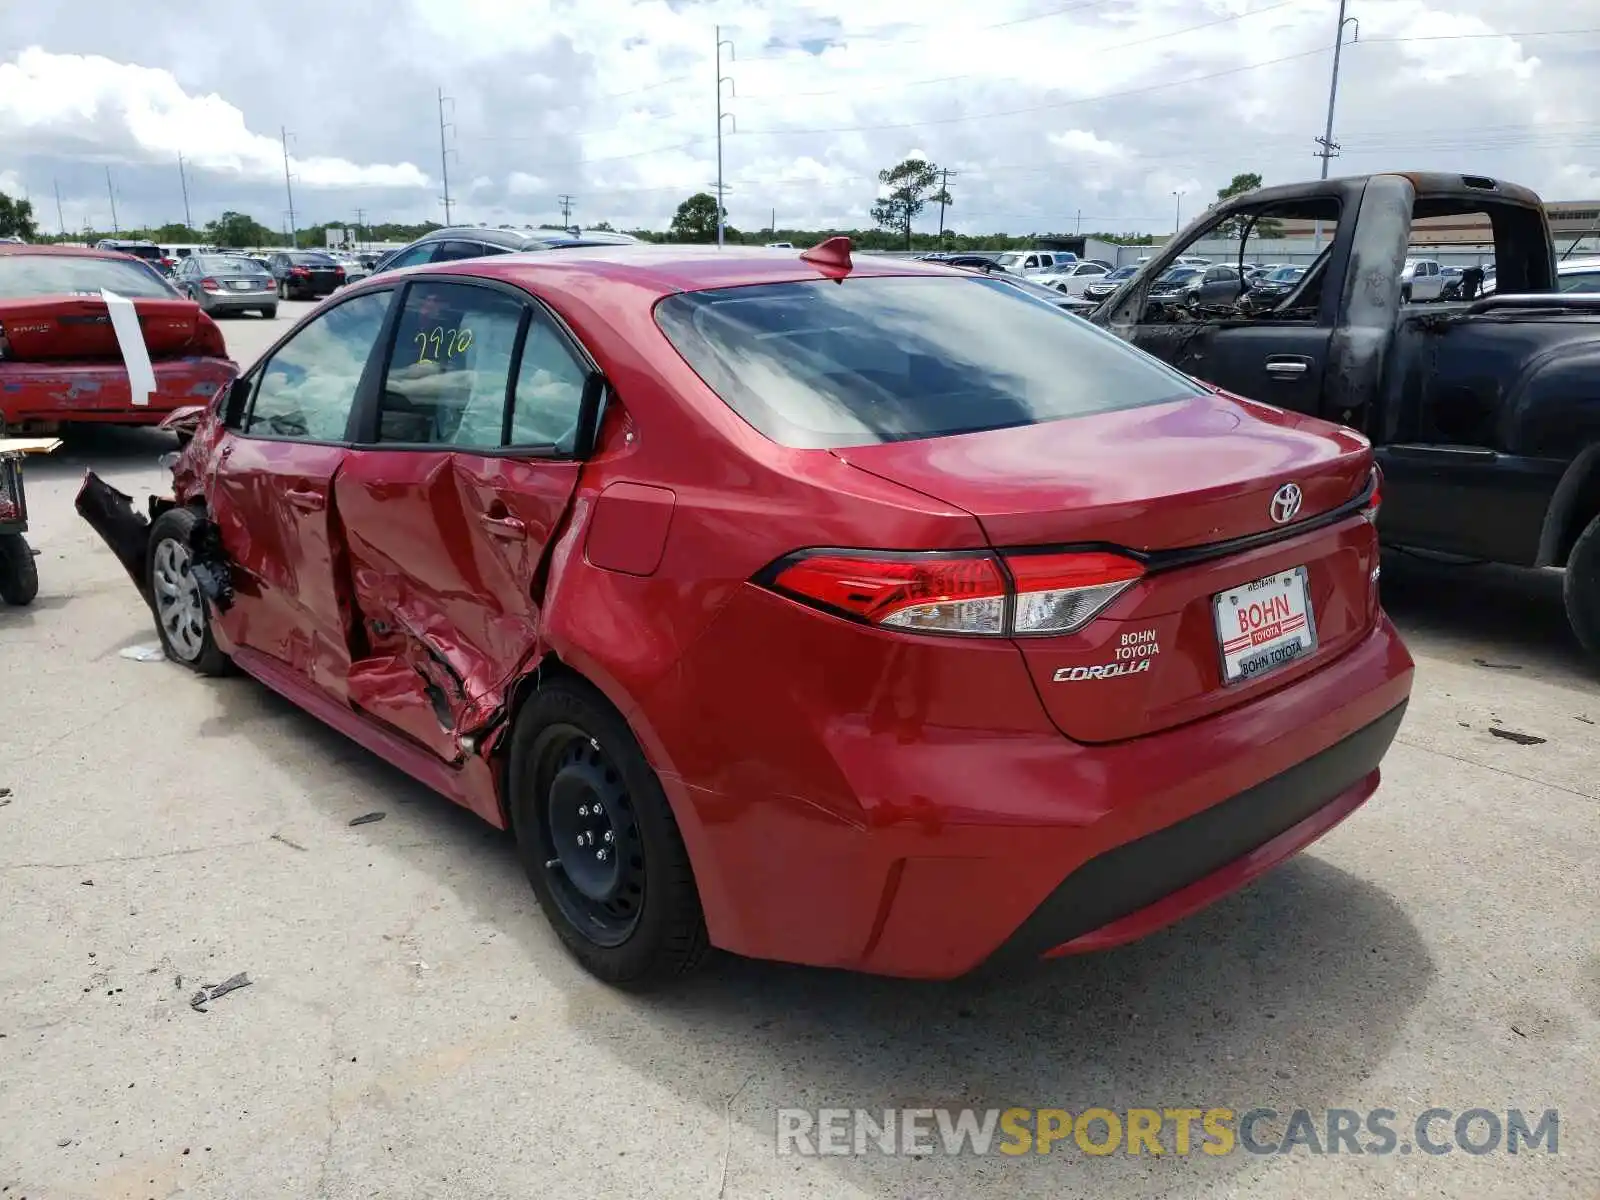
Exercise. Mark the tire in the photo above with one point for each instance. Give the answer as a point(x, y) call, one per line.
point(1581, 588)
point(283, 290)
point(19, 574)
point(185, 629)
point(640, 923)
point(270, 312)
point(1405, 293)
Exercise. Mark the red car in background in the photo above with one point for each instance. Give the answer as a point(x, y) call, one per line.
point(862, 613)
point(60, 359)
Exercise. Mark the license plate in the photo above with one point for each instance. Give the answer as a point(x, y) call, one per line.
point(241, 285)
point(1265, 624)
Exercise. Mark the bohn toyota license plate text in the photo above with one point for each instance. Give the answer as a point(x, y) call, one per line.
point(1265, 624)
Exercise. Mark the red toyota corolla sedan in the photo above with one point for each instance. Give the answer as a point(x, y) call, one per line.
point(62, 358)
point(859, 613)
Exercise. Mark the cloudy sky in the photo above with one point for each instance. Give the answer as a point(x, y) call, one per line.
point(1045, 109)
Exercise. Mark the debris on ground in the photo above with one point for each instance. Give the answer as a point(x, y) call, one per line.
point(1585, 720)
point(85, 883)
point(143, 653)
point(215, 991)
point(1498, 666)
point(63, 1142)
point(369, 818)
point(1520, 738)
point(278, 837)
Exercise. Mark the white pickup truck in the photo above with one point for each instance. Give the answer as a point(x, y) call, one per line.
point(1035, 262)
point(1421, 279)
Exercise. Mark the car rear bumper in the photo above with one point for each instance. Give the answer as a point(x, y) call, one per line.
point(229, 301)
point(70, 391)
point(971, 844)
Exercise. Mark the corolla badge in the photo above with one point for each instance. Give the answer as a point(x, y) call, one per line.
point(1285, 503)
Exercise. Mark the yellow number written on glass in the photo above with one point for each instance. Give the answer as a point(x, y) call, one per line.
point(440, 342)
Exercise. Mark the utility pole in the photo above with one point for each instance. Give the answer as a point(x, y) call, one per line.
point(188, 222)
point(444, 155)
point(1078, 228)
point(60, 216)
point(566, 209)
point(111, 192)
point(1177, 213)
point(360, 216)
point(773, 228)
point(294, 232)
point(1330, 148)
point(732, 91)
point(944, 197)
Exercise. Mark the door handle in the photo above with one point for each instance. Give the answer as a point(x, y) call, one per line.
point(1288, 366)
point(504, 527)
point(306, 500)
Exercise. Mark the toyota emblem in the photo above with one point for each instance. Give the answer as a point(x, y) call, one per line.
point(1285, 503)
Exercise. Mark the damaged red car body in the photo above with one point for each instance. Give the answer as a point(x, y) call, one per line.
point(855, 613)
point(60, 359)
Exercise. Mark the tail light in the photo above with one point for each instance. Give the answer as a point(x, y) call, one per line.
point(974, 594)
point(207, 338)
point(298, 271)
point(1369, 510)
point(210, 285)
point(5, 349)
point(338, 272)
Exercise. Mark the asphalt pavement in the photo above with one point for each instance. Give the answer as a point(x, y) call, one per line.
point(412, 1028)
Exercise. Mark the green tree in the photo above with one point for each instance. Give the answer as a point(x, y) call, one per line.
point(175, 233)
point(910, 189)
point(16, 218)
point(238, 230)
point(1235, 227)
point(602, 227)
point(696, 219)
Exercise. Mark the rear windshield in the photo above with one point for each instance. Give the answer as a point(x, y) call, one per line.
point(311, 260)
point(228, 265)
point(819, 364)
point(153, 253)
point(25, 275)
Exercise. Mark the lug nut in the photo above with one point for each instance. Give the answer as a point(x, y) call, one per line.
point(608, 835)
point(583, 810)
point(601, 854)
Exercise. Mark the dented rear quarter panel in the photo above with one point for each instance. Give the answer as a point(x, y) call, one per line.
point(99, 391)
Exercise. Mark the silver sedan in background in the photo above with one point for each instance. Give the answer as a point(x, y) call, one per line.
point(227, 283)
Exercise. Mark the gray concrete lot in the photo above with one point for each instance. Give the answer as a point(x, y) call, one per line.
point(413, 1029)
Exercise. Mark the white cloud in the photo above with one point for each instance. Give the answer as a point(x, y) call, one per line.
point(1042, 110)
point(141, 113)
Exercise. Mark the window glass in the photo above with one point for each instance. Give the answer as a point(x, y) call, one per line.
point(1580, 281)
point(26, 275)
point(549, 393)
point(307, 388)
point(413, 257)
point(818, 365)
point(448, 374)
point(456, 251)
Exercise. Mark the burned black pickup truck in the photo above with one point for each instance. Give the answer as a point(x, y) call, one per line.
point(1484, 412)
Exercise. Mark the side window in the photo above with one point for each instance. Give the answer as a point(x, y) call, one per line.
point(489, 248)
point(1046, 261)
point(455, 251)
point(413, 257)
point(1030, 262)
point(549, 395)
point(1581, 281)
point(450, 369)
point(306, 390)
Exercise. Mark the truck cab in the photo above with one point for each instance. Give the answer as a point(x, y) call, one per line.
point(1484, 412)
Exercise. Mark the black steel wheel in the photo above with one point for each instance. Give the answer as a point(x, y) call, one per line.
point(599, 841)
point(597, 869)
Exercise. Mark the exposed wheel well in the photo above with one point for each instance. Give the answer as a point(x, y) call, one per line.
point(549, 668)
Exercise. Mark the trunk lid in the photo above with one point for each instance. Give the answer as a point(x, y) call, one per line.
point(1160, 481)
point(51, 328)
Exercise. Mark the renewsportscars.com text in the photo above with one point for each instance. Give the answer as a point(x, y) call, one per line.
point(1178, 1131)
